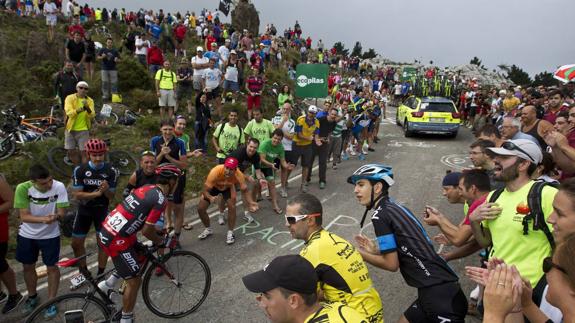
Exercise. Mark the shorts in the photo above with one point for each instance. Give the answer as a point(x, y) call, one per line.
point(290, 157)
point(226, 195)
point(231, 86)
point(88, 58)
point(214, 93)
point(306, 154)
point(268, 173)
point(85, 216)
point(167, 98)
point(178, 196)
point(51, 21)
point(27, 250)
point(472, 111)
point(184, 91)
point(254, 101)
point(440, 303)
point(76, 139)
point(128, 263)
point(179, 40)
point(3, 251)
point(197, 82)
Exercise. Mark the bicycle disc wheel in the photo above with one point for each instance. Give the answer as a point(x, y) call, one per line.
point(169, 299)
point(123, 161)
point(94, 309)
point(56, 157)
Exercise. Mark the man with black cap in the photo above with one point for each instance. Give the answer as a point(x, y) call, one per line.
point(510, 222)
point(287, 289)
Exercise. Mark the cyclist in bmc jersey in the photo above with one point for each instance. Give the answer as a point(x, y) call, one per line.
point(118, 237)
point(94, 185)
point(342, 273)
point(403, 244)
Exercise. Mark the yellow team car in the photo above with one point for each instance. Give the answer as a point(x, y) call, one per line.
point(428, 115)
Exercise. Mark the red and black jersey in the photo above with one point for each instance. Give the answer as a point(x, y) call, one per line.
point(119, 230)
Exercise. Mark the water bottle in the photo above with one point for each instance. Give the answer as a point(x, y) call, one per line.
point(160, 223)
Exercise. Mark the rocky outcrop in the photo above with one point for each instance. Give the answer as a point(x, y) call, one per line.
point(245, 16)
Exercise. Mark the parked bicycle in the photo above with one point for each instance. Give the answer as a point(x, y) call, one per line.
point(122, 160)
point(16, 131)
point(180, 290)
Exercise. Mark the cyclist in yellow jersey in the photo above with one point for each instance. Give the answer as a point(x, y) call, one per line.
point(287, 293)
point(342, 273)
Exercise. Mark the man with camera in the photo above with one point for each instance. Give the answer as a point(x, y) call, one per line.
point(79, 108)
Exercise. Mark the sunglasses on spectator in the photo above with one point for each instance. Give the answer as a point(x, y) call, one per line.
point(82, 88)
point(148, 153)
point(511, 146)
point(293, 219)
point(548, 265)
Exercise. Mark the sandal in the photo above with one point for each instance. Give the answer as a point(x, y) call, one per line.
point(278, 210)
point(188, 226)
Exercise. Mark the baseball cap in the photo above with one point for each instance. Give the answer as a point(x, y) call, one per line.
point(292, 272)
point(451, 179)
point(233, 51)
point(312, 109)
point(199, 49)
point(522, 148)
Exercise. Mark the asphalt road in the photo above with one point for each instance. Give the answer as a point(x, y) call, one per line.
point(419, 165)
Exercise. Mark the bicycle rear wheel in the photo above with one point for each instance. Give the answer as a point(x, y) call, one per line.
point(123, 161)
point(94, 309)
point(56, 157)
point(184, 293)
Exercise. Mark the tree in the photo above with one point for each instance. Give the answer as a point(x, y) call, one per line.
point(518, 75)
point(369, 54)
point(356, 51)
point(340, 49)
point(504, 67)
point(475, 61)
point(545, 79)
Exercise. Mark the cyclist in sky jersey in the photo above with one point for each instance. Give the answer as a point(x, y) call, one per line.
point(118, 237)
point(403, 244)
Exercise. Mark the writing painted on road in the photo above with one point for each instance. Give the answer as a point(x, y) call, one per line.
point(282, 238)
point(457, 161)
point(418, 144)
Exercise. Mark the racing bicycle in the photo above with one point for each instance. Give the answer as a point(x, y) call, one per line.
point(179, 291)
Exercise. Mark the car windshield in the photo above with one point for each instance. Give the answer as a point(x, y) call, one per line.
point(437, 107)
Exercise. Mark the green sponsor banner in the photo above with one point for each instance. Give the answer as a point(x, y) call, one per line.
point(311, 80)
point(408, 73)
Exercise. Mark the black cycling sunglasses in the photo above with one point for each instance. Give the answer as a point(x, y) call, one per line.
point(548, 265)
point(511, 146)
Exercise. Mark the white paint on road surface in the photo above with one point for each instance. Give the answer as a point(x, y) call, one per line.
point(457, 161)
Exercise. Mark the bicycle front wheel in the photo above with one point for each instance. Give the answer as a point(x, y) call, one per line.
point(123, 161)
point(94, 309)
point(181, 289)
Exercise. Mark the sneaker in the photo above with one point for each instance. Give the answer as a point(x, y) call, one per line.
point(206, 233)
point(221, 220)
point(50, 312)
point(12, 302)
point(30, 305)
point(321, 185)
point(334, 166)
point(344, 157)
point(67, 161)
point(370, 149)
point(248, 217)
point(283, 193)
point(352, 152)
point(362, 157)
point(3, 297)
point(230, 238)
point(303, 188)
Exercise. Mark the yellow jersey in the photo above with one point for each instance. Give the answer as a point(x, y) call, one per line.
point(335, 313)
point(307, 128)
point(342, 273)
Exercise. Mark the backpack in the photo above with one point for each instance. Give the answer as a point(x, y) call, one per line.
point(222, 129)
point(162, 75)
point(536, 212)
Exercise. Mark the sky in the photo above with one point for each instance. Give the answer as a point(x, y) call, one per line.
point(534, 35)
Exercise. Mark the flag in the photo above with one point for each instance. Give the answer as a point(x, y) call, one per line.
point(565, 73)
point(225, 6)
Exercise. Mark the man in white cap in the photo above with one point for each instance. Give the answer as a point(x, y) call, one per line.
point(199, 64)
point(513, 224)
point(80, 112)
